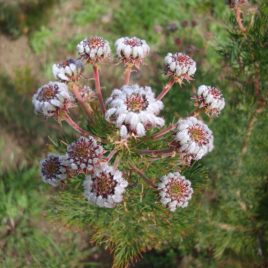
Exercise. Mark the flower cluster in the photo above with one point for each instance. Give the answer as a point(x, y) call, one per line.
point(69, 70)
point(84, 154)
point(131, 50)
point(180, 66)
point(175, 191)
point(105, 187)
point(134, 109)
point(210, 99)
point(52, 98)
point(193, 139)
point(94, 49)
point(53, 169)
point(130, 113)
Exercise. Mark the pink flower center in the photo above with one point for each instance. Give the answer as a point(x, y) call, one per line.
point(183, 59)
point(198, 134)
point(133, 42)
point(104, 184)
point(215, 93)
point(136, 102)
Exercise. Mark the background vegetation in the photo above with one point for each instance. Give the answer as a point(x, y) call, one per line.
point(230, 223)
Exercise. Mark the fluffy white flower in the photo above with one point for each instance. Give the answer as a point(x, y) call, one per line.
point(193, 138)
point(51, 98)
point(69, 70)
point(131, 50)
point(84, 154)
point(53, 169)
point(94, 49)
point(134, 109)
point(105, 187)
point(210, 99)
point(180, 66)
point(175, 191)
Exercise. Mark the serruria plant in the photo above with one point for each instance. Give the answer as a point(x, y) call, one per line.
point(132, 112)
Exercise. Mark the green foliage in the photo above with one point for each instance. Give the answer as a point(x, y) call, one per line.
point(21, 17)
point(234, 225)
point(91, 12)
point(137, 225)
point(40, 39)
point(26, 241)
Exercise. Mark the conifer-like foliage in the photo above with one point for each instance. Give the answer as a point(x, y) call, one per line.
point(235, 225)
point(225, 216)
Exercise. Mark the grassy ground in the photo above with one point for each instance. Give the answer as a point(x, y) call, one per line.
point(30, 42)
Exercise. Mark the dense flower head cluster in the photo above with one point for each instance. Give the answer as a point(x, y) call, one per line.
point(53, 169)
point(130, 113)
point(52, 98)
point(94, 49)
point(210, 99)
point(194, 139)
point(69, 70)
point(180, 66)
point(134, 109)
point(131, 50)
point(105, 187)
point(83, 154)
point(175, 191)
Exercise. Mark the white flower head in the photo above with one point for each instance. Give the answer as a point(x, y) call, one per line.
point(84, 154)
point(94, 49)
point(69, 70)
point(132, 50)
point(53, 169)
point(134, 109)
point(210, 99)
point(175, 191)
point(105, 187)
point(193, 139)
point(180, 66)
point(52, 98)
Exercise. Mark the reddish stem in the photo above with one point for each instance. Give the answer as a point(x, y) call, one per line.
point(163, 132)
point(127, 75)
point(239, 20)
point(166, 89)
point(70, 121)
point(111, 155)
point(98, 87)
point(85, 106)
point(139, 172)
point(157, 152)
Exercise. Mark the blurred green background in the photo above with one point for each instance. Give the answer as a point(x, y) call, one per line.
point(34, 34)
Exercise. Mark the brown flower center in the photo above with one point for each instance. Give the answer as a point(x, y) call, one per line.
point(95, 42)
point(51, 167)
point(198, 134)
point(104, 185)
point(176, 189)
point(136, 102)
point(47, 93)
point(82, 149)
